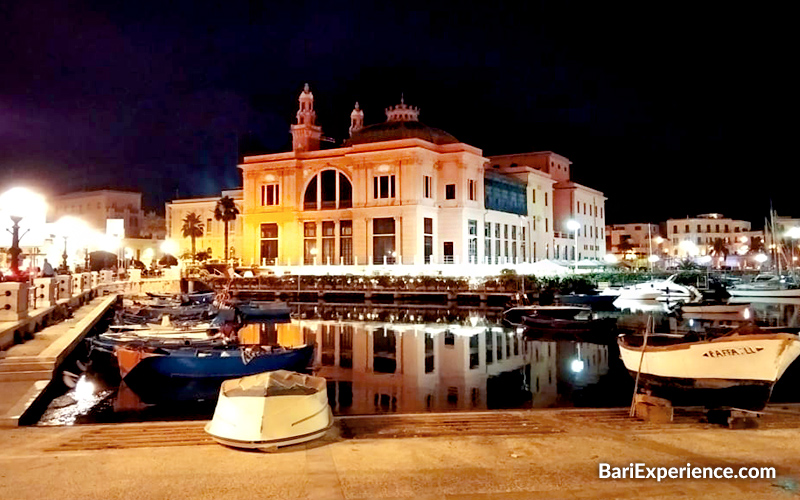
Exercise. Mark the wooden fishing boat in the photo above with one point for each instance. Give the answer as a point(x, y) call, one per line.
point(735, 369)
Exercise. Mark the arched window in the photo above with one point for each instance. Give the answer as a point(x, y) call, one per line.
point(328, 190)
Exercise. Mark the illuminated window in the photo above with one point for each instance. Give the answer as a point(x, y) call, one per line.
point(346, 241)
point(383, 231)
point(473, 190)
point(269, 195)
point(383, 186)
point(327, 190)
point(427, 186)
point(269, 244)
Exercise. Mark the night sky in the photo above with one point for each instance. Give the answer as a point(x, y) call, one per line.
point(671, 109)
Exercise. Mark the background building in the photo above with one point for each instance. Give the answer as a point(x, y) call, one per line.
point(213, 239)
point(635, 240)
point(712, 234)
point(96, 207)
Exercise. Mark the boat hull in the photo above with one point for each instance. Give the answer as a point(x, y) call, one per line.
point(790, 292)
point(714, 309)
point(726, 366)
point(182, 376)
point(184, 363)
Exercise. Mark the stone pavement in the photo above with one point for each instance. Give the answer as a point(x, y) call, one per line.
point(556, 457)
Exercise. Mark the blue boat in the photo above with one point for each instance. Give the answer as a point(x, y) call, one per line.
point(197, 373)
point(223, 362)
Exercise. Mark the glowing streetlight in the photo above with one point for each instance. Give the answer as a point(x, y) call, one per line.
point(73, 230)
point(574, 226)
point(17, 204)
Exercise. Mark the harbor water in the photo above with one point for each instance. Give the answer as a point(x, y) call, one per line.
point(376, 361)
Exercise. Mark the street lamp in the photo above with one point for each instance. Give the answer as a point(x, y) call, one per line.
point(18, 204)
point(574, 226)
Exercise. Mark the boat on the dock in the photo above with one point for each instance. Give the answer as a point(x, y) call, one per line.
point(269, 410)
point(737, 368)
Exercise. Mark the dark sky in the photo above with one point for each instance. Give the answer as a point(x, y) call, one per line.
point(670, 108)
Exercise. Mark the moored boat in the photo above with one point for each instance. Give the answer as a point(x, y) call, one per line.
point(660, 289)
point(714, 308)
point(515, 315)
point(567, 323)
point(766, 285)
point(264, 311)
point(737, 369)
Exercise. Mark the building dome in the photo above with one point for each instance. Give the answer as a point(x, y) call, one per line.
point(396, 130)
point(402, 122)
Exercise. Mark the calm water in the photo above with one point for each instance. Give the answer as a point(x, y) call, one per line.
point(375, 363)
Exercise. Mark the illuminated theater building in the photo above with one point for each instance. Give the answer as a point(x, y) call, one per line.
point(397, 192)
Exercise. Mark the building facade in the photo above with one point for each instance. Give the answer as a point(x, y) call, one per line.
point(697, 236)
point(213, 239)
point(401, 192)
point(96, 207)
point(635, 240)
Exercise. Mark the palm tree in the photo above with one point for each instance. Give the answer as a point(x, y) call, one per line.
point(226, 211)
point(192, 228)
point(719, 248)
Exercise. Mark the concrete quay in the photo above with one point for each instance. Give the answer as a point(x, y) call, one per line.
point(550, 454)
point(27, 368)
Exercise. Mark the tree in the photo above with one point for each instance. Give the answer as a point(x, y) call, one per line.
point(226, 211)
point(192, 228)
point(719, 248)
point(625, 247)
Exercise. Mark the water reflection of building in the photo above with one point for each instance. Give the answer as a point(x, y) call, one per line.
point(392, 367)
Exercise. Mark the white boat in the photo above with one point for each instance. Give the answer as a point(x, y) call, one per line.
point(702, 308)
point(659, 289)
point(271, 409)
point(765, 285)
point(738, 369)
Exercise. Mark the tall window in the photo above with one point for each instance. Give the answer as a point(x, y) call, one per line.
point(514, 244)
point(427, 186)
point(427, 224)
point(328, 242)
point(522, 245)
point(383, 240)
point(487, 242)
point(346, 241)
point(327, 190)
point(450, 192)
point(269, 195)
point(309, 242)
point(473, 241)
point(473, 190)
point(497, 248)
point(383, 186)
point(209, 227)
point(269, 244)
